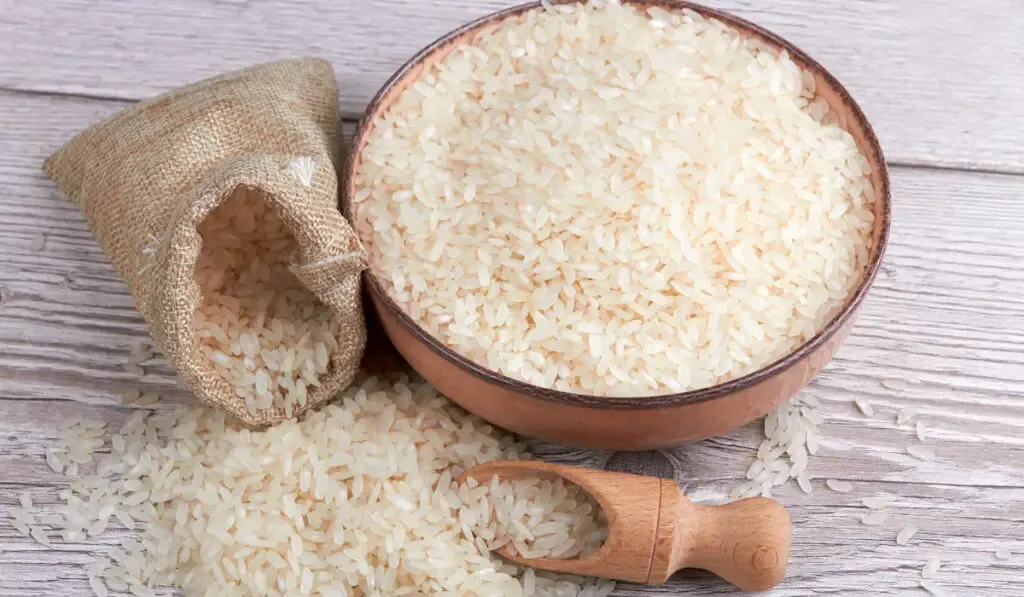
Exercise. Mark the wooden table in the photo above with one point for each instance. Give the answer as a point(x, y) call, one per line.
point(943, 330)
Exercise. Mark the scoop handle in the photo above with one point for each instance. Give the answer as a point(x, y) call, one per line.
point(745, 542)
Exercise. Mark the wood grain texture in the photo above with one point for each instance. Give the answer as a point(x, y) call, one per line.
point(942, 87)
point(941, 333)
point(745, 542)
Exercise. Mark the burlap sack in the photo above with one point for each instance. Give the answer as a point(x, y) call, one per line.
point(145, 178)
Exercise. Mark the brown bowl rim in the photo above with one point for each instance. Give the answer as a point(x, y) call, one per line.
point(849, 309)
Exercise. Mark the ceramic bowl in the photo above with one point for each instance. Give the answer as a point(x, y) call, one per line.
point(623, 423)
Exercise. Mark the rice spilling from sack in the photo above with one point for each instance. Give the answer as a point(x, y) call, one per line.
point(610, 201)
point(267, 335)
point(360, 498)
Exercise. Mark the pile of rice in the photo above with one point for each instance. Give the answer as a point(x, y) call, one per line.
point(359, 498)
point(610, 201)
point(265, 333)
point(792, 436)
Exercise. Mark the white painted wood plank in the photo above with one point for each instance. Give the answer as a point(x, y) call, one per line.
point(942, 87)
point(947, 314)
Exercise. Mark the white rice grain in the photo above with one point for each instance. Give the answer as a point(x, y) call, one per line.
point(894, 384)
point(905, 535)
point(839, 486)
point(906, 415)
point(23, 515)
point(931, 567)
point(53, 461)
point(40, 536)
point(877, 502)
point(804, 482)
point(98, 588)
point(864, 406)
point(21, 527)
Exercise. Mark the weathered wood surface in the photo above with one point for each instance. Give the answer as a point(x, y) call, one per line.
point(943, 328)
point(941, 85)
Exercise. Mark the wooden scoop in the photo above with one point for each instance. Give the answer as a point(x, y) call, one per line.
point(654, 530)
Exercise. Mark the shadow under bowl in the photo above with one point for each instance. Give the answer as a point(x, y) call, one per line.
point(623, 423)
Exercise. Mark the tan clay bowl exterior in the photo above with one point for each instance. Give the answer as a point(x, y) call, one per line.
point(624, 423)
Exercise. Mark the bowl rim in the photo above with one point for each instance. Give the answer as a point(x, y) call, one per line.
point(848, 311)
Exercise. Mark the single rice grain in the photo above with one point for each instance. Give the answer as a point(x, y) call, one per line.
point(98, 588)
point(877, 502)
point(905, 535)
point(935, 588)
point(865, 407)
point(906, 415)
point(40, 536)
point(839, 486)
point(931, 567)
point(804, 482)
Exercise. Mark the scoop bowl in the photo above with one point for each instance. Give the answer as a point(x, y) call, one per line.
point(654, 530)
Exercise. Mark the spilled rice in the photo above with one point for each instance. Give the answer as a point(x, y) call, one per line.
point(359, 498)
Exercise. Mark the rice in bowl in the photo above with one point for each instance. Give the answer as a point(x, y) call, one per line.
point(615, 202)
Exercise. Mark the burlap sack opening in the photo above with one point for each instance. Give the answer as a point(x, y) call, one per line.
point(147, 177)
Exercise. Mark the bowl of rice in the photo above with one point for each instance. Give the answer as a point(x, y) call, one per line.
point(617, 224)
